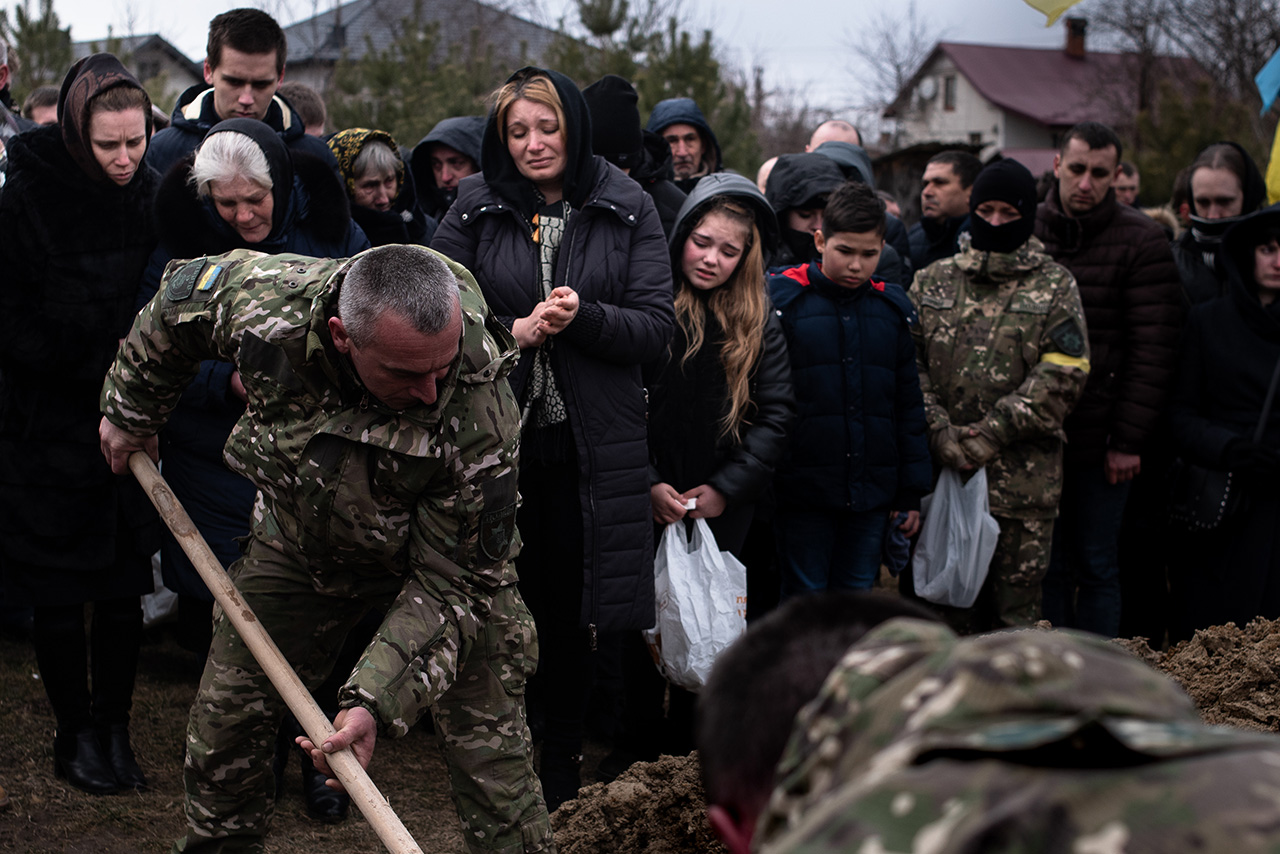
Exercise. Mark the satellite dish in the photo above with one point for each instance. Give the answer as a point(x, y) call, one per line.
point(928, 88)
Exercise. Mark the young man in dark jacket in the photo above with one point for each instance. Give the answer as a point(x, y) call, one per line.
point(242, 70)
point(1133, 307)
point(858, 450)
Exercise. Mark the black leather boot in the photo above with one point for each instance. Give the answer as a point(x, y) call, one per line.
point(323, 804)
point(80, 761)
point(115, 743)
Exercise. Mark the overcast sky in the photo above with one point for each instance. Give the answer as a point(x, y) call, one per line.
point(802, 44)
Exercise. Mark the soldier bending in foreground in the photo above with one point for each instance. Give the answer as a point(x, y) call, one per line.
point(381, 437)
point(919, 740)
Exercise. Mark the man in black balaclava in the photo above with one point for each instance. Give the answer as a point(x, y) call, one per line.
point(1000, 404)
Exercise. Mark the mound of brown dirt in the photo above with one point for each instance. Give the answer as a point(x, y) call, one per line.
point(1233, 674)
point(652, 808)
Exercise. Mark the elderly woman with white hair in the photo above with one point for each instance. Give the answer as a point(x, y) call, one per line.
point(241, 189)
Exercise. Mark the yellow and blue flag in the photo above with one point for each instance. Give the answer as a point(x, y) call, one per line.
point(1052, 9)
point(1268, 82)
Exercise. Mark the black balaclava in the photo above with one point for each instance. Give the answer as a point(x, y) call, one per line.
point(1003, 181)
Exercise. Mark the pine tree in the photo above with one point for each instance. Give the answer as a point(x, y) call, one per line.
point(415, 82)
point(41, 45)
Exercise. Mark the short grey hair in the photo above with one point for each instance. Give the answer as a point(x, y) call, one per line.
point(376, 158)
point(226, 156)
point(409, 281)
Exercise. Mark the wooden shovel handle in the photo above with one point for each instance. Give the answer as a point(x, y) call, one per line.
point(314, 722)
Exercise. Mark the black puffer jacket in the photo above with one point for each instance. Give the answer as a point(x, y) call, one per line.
point(72, 253)
point(687, 401)
point(614, 255)
point(1133, 307)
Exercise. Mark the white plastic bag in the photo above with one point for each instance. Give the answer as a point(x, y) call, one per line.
point(701, 596)
point(957, 541)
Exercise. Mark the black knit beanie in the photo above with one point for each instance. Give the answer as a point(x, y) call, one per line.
point(615, 121)
point(1003, 181)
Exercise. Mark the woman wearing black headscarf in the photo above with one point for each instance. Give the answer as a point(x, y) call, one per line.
point(77, 225)
point(570, 254)
point(1230, 355)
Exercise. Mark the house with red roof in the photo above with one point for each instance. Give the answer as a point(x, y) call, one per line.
point(1018, 101)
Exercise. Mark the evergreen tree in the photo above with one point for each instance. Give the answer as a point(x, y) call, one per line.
point(1181, 126)
point(42, 47)
point(415, 82)
point(648, 47)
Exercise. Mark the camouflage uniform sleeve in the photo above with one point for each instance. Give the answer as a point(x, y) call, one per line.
point(936, 416)
point(1041, 403)
point(463, 540)
point(184, 324)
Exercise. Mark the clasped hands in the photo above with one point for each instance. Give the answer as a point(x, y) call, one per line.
point(548, 318)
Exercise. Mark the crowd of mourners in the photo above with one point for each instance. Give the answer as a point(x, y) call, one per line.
point(783, 357)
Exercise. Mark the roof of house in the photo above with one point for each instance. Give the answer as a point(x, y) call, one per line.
point(356, 26)
point(125, 45)
point(1048, 86)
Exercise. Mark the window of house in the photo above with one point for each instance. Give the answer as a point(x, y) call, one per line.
point(949, 92)
point(975, 139)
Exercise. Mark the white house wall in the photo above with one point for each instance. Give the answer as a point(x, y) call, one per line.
point(929, 121)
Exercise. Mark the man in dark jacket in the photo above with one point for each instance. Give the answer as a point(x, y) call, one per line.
point(944, 206)
point(695, 151)
point(243, 69)
point(444, 157)
point(1133, 307)
point(617, 137)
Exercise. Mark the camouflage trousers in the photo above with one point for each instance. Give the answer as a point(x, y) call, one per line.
point(232, 729)
point(1010, 596)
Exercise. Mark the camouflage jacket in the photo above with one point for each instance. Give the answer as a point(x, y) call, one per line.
point(1001, 340)
point(341, 478)
point(1018, 741)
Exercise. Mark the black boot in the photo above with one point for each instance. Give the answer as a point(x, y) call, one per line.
point(115, 744)
point(323, 804)
point(80, 761)
point(114, 642)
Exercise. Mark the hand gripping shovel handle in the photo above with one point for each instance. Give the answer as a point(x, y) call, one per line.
point(314, 722)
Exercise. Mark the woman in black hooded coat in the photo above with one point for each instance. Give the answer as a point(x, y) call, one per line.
point(1229, 355)
point(570, 254)
point(77, 226)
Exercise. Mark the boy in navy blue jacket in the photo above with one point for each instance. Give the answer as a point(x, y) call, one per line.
point(858, 449)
